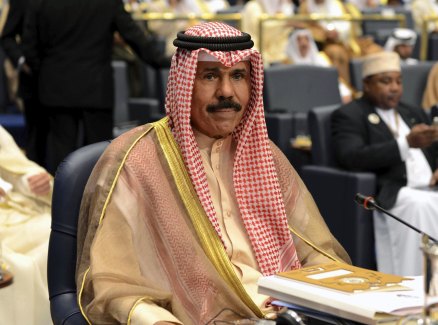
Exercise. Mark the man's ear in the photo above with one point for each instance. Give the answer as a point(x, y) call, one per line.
point(366, 84)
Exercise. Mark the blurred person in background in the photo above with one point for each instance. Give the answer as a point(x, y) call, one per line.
point(402, 41)
point(301, 49)
point(340, 40)
point(275, 33)
point(169, 29)
point(68, 46)
point(25, 205)
point(37, 124)
point(377, 133)
point(422, 9)
point(430, 95)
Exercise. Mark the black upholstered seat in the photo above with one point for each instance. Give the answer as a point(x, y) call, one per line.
point(334, 190)
point(70, 180)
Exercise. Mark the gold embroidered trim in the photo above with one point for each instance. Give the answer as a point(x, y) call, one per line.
point(80, 296)
point(210, 241)
point(308, 242)
point(104, 210)
point(135, 305)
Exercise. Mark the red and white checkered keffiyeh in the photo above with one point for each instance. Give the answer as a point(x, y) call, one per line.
point(254, 176)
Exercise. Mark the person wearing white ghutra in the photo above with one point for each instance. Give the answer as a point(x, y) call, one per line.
point(402, 41)
point(380, 134)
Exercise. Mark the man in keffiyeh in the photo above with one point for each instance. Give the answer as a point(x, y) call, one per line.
point(402, 41)
point(182, 216)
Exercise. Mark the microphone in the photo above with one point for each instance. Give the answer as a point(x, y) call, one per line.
point(369, 203)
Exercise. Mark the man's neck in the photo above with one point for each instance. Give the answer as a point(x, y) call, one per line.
point(204, 141)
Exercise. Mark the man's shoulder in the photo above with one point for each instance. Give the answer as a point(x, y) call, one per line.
point(129, 140)
point(404, 108)
point(355, 107)
point(410, 107)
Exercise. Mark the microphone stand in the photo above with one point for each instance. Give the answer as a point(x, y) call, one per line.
point(430, 253)
point(369, 203)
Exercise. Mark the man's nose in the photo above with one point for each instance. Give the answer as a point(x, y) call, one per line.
point(395, 86)
point(225, 88)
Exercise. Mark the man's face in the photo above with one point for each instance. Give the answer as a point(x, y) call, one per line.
point(220, 96)
point(384, 89)
point(303, 44)
point(404, 51)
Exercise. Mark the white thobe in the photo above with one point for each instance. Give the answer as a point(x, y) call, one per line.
point(397, 246)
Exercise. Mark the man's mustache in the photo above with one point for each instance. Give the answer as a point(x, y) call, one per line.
point(224, 104)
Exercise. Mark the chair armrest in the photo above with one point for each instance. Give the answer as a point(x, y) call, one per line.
point(64, 310)
point(333, 191)
point(280, 128)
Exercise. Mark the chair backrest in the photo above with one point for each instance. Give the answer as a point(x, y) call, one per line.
point(414, 82)
point(299, 88)
point(432, 46)
point(70, 180)
point(121, 91)
point(333, 190)
point(162, 76)
point(373, 27)
point(320, 133)
point(149, 81)
point(434, 112)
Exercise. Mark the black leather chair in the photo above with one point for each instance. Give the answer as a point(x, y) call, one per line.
point(381, 29)
point(70, 180)
point(298, 88)
point(295, 89)
point(434, 112)
point(334, 190)
point(290, 91)
point(16, 126)
point(414, 82)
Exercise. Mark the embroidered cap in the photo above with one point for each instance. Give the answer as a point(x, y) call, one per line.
point(380, 62)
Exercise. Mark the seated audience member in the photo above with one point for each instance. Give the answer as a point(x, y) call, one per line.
point(430, 95)
point(377, 133)
point(275, 32)
point(168, 29)
point(421, 9)
point(25, 202)
point(182, 216)
point(402, 41)
point(338, 39)
point(301, 49)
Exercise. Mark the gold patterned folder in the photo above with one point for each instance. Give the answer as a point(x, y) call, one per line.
point(346, 278)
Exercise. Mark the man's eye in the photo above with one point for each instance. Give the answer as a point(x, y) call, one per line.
point(209, 76)
point(237, 76)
